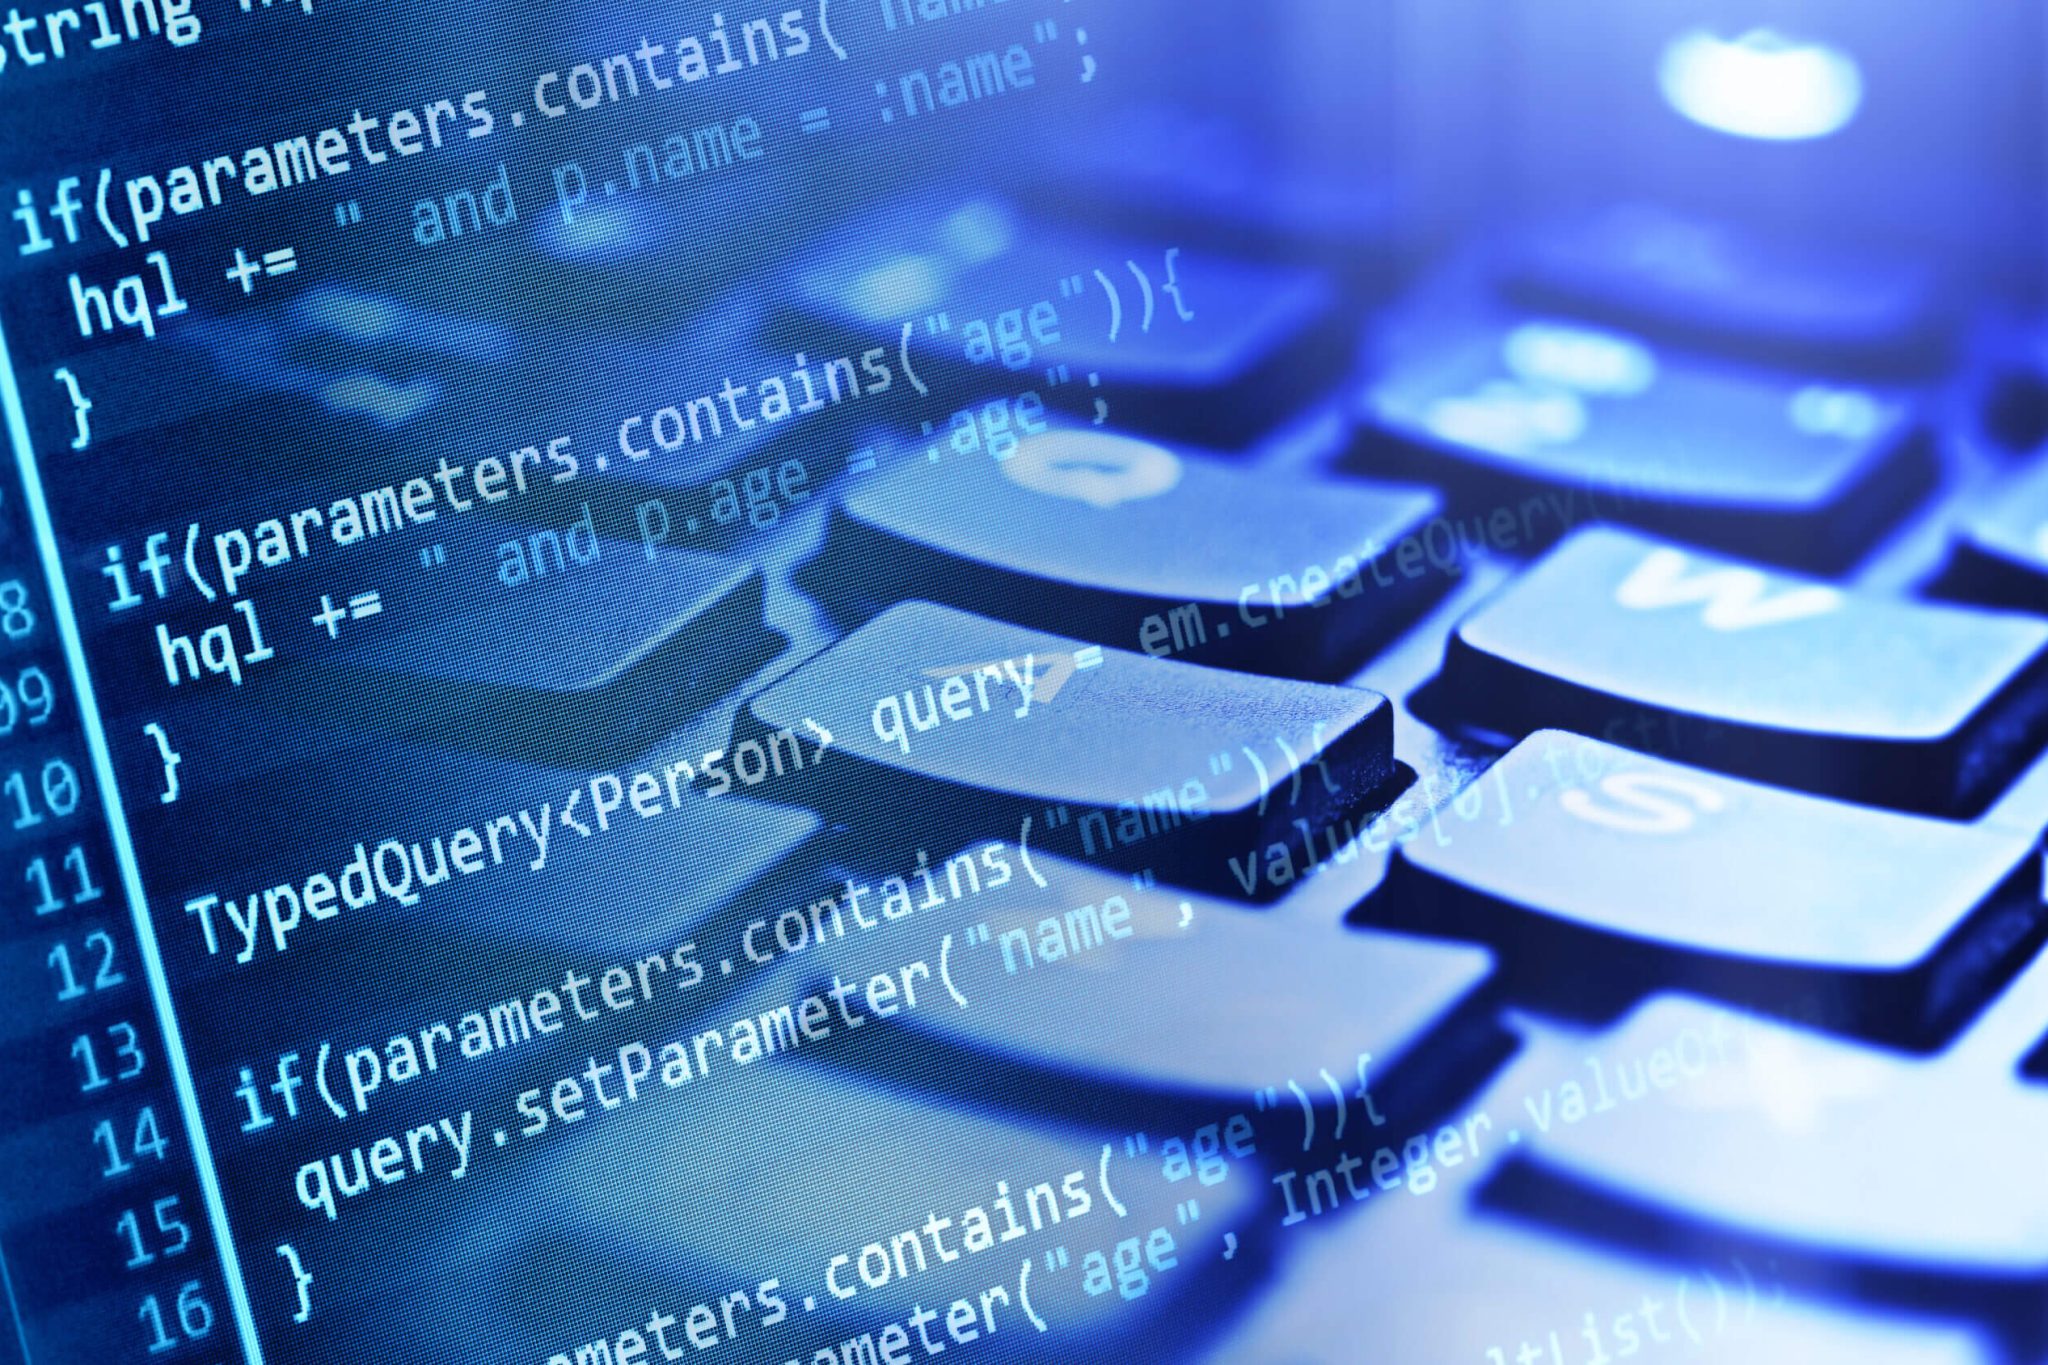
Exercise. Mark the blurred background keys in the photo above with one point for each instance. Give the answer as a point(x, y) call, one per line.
point(1180, 174)
point(2015, 400)
point(1689, 279)
point(1581, 423)
point(1220, 780)
point(1915, 705)
point(2001, 548)
point(1627, 866)
point(1189, 343)
point(1091, 533)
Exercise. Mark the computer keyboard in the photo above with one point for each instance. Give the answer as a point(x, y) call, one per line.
point(1601, 860)
point(1481, 799)
point(1838, 941)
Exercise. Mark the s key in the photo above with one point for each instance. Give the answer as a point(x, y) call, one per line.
point(1620, 867)
point(1711, 661)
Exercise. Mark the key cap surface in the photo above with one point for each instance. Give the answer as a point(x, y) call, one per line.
point(582, 661)
point(1915, 705)
point(1814, 1148)
point(2001, 548)
point(1143, 546)
point(1713, 283)
point(1232, 346)
point(1586, 423)
point(1176, 171)
point(1136, 761)
point(514, 640)
point(1675, 874)
point(1098, 997)
point(2015, 401)
point(851, 1165)
point(1450, 1282)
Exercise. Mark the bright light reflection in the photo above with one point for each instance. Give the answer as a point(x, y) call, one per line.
point(1761, 84)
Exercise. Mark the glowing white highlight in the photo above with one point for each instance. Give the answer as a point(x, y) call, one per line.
point(1761, 84)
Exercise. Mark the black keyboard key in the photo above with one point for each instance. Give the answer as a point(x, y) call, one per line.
point(658, 886)
point(959, 725)
point(1176, 173)
point(1556, 423)
point(646, 602)
point(1190, 343)
point(1741, 1136)
point(1142, 546)
point(2001, 549)
point(1625, 867)
point(1038, 984)
point(2015, 409)
point(564, 646)
point(1916, 705)
point(1452, 1283)
point(1020, 1223)
point(1691, 279)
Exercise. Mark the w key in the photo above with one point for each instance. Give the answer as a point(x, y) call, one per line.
point(1914, 705)
point(1617, 866)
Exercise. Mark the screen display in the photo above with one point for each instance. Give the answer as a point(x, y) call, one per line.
point(846, 681)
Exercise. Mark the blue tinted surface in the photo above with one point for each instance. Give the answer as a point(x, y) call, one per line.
point(1023, 680)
